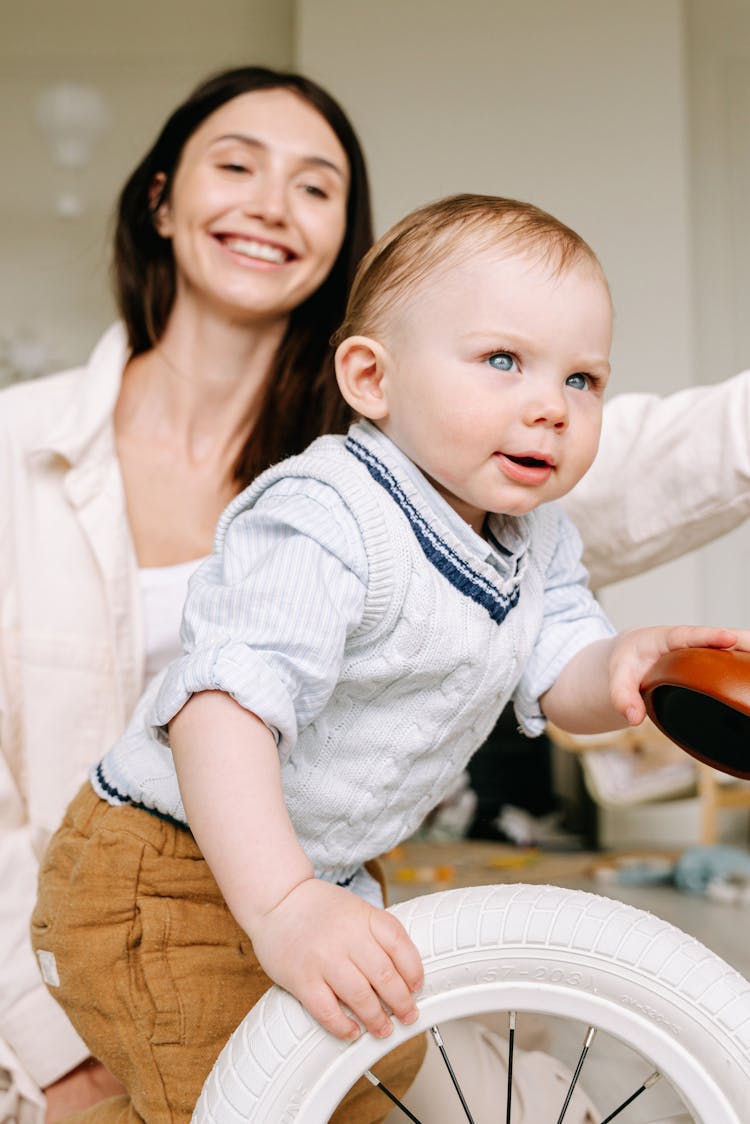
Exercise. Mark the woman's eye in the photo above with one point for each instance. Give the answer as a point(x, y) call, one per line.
point(313, 189)
point(230, 167)
point(579, 381)
point(502, 361)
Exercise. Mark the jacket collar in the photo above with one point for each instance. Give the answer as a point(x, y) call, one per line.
point(90, 410)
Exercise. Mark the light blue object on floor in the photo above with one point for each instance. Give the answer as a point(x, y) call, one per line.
point(703, 869)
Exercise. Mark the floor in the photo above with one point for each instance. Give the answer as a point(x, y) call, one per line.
point(421, 868)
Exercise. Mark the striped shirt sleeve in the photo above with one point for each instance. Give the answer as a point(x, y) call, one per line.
point(572, 620)
point(266, 620)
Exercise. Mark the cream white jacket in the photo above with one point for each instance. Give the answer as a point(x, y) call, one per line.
point(70, 668)
point(672, 473)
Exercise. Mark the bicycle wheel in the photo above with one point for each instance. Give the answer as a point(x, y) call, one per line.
point(551, 951)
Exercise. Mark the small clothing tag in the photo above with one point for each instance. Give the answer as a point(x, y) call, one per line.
point(48, 965)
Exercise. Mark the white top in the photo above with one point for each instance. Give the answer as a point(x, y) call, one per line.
point(163, 593)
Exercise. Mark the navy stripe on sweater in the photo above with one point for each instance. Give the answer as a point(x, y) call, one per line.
point(458, 572)
point(120, 798)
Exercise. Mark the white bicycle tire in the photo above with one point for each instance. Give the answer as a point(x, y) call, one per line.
point(512, 947)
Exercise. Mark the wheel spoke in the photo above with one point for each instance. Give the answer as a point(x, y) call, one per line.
point(620, 1108)
point(511, 1042)
point(590, 1035)
point(435, 1032)
point(391, 1096)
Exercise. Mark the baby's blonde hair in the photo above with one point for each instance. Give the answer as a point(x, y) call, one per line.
point(453, 228)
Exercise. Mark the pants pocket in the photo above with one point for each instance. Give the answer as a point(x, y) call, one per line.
point(149, 945)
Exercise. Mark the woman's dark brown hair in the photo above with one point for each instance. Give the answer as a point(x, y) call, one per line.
point(302, 399)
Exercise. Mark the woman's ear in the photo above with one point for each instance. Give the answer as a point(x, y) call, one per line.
point(161, 212)
point(360, 369)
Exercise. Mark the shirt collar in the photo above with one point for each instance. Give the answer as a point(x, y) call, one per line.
point(508, 536)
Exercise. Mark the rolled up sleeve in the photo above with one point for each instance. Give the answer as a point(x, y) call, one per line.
point(266, 619)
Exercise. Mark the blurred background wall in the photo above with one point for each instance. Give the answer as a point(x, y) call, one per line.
point(629, 119)
point(142, 57)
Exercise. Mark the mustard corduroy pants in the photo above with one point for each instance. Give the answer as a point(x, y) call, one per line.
point(150, 966)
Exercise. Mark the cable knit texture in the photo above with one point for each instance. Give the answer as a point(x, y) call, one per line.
point(440, 647)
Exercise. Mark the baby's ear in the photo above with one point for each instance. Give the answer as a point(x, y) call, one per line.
point(360, 367)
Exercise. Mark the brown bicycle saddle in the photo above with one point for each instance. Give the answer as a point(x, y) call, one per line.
point(700, 698)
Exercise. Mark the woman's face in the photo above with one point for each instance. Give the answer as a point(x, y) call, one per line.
point(257, 207)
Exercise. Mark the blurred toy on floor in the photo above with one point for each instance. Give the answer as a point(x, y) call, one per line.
point(721, 873)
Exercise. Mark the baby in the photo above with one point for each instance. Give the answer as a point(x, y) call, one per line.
point(369, 609)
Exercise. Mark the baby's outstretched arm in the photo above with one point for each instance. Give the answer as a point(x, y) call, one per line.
point(319, 941)
point(599, 689)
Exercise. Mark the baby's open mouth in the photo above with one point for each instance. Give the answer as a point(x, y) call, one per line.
point(530, 462)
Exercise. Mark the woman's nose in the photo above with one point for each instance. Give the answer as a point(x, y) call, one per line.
point(268, 200)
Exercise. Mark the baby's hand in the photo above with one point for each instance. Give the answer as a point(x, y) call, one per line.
point(635, 652)
point(327, 947)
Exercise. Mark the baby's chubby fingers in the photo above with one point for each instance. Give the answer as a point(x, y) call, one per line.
point(392, 937)
point(636, 651)
point(381, 976)
point(700, 636)
point(742, 643)
point(393, 975)
point(334, 951)
point(321, 1000)
point(355, 988)
point(625, 675)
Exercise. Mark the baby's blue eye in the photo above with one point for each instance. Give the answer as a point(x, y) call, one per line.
point(578, 381)
point(502, 361)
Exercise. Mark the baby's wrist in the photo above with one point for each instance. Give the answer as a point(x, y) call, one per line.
point(273, 901)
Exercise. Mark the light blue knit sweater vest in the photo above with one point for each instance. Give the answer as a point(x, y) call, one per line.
point(440, 648)
point(439, 651)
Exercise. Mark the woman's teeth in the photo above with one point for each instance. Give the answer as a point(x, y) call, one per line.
point(261, 250)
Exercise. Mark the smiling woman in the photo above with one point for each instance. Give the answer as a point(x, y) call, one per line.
point(256, 218)
point(237, 237)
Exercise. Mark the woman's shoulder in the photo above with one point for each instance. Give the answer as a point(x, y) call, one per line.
point(30, 410)
point(28, 407)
